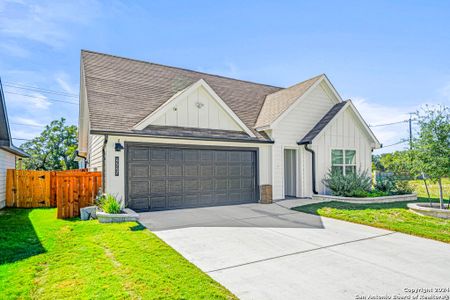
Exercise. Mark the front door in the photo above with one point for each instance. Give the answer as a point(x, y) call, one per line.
point(290, 174)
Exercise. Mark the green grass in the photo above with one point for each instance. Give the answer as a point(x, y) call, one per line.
point(392, 216)
point(42, 257)
point(419, 188)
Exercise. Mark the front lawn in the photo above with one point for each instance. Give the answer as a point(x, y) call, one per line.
point(392, 216)
point(42, 257)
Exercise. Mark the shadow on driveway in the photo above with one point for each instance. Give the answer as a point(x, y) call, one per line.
point(244, 215)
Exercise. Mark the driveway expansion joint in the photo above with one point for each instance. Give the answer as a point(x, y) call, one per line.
point(300, 252)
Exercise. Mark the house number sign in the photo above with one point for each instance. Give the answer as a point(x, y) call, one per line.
point(116, 166)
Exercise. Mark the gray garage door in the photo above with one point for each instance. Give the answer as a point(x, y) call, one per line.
point(161, 178)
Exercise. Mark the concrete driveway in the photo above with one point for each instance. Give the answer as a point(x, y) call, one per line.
point(270, 252)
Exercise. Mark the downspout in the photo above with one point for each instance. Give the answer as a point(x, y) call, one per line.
point(83, 157)
point(313, 168)
point(105, 142)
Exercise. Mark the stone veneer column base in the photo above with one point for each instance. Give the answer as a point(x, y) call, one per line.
point(266, 194)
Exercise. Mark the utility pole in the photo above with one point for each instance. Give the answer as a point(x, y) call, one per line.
point(410, 131)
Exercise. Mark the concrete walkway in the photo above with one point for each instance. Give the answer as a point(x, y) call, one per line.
point(270, 252)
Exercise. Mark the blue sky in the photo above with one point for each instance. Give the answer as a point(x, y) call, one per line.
point(389, 57)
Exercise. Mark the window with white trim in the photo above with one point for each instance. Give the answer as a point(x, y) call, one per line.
point(343, 161)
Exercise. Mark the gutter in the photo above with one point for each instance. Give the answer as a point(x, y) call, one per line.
point(313, 168)
point(105, 142)
point(125, 133)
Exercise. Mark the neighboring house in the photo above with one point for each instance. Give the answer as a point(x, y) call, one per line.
point(8, 152)
point(167, 137)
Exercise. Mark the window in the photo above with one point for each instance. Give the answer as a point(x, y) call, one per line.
point(343, 161)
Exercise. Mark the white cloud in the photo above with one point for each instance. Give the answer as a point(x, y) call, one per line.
point(14, 49)
point(63, 80)
point(26, 121)
point(29, 101)
point(377, 114)
point(43, 21)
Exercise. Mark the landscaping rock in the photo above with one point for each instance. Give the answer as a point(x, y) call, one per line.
point(127, 215)
point(88, 212)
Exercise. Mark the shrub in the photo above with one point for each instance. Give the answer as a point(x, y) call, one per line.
point(391, 185)
point(350, 185)
point(385, 183)
point(402, 187)
point(109, 204)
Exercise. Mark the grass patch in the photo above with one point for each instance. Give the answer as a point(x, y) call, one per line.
point(42, 257)
point(392, 216)
point(419, 188)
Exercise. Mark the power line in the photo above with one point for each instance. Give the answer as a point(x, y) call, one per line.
point(21, 124)
point(387, 124)
point(40, 98)
point(33, 88)
point(19, 139)
point(401, 142)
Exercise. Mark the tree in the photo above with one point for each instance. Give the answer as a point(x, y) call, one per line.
point(53, 149)
point(432, 145)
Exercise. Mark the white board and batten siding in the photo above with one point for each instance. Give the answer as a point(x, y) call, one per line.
point(290, 129)
point(344, 132)
point(197, 110)
point(7, 161)
point(95, 158)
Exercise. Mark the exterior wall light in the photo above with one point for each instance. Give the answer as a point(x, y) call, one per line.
point(118, 147)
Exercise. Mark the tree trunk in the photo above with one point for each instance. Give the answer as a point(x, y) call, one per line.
point(426, 187)
point(441, 195)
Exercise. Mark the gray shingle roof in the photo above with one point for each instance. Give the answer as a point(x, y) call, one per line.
point(121, 91)
point(309, 137)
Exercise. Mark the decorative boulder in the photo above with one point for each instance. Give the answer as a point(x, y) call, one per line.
point(88, 212)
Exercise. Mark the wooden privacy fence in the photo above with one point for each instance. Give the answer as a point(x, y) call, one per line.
point(76, 190)
point(67, 190)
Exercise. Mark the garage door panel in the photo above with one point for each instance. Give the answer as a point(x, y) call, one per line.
point(157, 154)
point(190, 185)
point(234, 170)
point(157, 203)
point(207, 171)
point(175, 170)
point(139, 171)
point(175, 201)
point(175, 186)
point(190, 200)
point(221, 170)
point(162, 177)
point(191, 155)
point(206, 185)
point(158, 170)
point(138, 154)
point(139, 204)
point(158, 186)
point(139, 188)
point(175, 155)
point(190, 170)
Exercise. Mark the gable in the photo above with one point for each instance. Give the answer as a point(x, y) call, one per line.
point(347, 124)
point(280, 104)
point(301, 118)
point(197, 106)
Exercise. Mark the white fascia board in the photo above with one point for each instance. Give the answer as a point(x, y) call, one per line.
point(369, 131)
point(160, 110)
